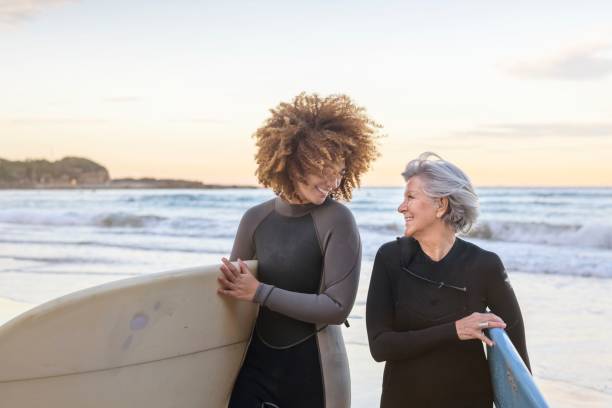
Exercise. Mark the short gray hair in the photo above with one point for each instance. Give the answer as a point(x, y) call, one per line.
point(443, 179)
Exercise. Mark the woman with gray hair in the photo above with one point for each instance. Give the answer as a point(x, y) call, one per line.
point(429, 294)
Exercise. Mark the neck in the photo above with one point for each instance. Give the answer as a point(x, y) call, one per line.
point(436, 241)
point(296, 201)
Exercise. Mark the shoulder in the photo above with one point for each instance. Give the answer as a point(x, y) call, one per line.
point(258, 212)
point(388, 250)
point(481, 258)
point(336, 209)
point(334, 215)
point(390, 254)
point(400, 246)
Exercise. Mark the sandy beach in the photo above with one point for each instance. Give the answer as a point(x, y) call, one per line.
point(557, 350)
point(569, 346)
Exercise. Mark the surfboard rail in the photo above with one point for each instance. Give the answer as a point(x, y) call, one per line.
point(513, 385)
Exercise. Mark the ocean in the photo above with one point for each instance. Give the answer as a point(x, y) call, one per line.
point(554, 242)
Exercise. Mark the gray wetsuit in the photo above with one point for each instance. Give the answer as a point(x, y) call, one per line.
point(309, 260)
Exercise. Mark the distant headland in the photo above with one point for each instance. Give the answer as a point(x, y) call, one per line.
point(78, 172)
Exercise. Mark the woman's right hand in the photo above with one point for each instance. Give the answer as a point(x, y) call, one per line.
point(470, 327)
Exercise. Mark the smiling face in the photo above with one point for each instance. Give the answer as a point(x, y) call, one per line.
point(318, 186)
point(420, 211)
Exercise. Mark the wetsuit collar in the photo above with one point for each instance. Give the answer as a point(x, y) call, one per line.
point(294, 210)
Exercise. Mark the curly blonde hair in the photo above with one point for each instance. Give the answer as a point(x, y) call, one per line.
point(310, 133)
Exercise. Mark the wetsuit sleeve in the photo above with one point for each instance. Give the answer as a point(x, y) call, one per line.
point(502, 301)
point(243, 247)
point(386, 343)
point(341, 245)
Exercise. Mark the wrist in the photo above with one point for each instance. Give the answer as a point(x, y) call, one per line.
point(254, 295)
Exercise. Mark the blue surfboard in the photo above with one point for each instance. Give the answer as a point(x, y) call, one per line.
point(513, 385)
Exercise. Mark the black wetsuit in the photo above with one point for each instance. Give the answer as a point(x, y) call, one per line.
point(411, 323)
point(308, 265)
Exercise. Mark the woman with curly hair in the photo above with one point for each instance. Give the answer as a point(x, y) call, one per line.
point(311, 152)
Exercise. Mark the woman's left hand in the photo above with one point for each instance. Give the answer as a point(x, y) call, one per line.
point(470, 327)
point(237, 283)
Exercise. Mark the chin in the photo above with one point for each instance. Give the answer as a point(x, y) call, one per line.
point(319, 201)
point(409, 232)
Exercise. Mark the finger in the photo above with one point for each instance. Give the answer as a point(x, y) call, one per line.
point(500, 325)
point(225, 284)
point(233, 293)
point(244, 268)
point(224, 292)
point(230, 266)
point(485, 339)
point(494, 317)
point(227, 274)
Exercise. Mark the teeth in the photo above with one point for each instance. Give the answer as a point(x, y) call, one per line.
point(322, 191)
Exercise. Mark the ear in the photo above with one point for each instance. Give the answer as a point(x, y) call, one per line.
point(442, 207)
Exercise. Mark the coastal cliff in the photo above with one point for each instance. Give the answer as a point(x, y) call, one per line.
point(77, 172)
point(67, 172)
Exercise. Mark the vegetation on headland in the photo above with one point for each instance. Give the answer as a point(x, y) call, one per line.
point(67, 172)
point(77, 172)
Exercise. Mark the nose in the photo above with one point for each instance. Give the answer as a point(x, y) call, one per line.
point(402, 207)
point(333, 182)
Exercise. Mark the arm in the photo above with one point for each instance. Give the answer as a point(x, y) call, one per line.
point(243, 247)
point(341, 263)
point(239, 283)
point(502, 301)
point(385, 342)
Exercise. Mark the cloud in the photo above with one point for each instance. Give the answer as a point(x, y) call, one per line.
point(518, 130)
point(16, 11)
point(580, 62)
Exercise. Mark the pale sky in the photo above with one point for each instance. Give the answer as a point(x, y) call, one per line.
point(515, 93)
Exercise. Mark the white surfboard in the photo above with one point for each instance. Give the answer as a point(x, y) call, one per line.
point(157, 341)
